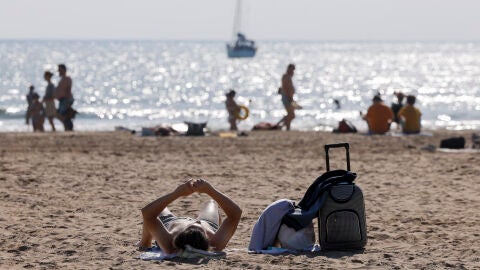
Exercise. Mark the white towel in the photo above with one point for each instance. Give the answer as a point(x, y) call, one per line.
point(157, 254)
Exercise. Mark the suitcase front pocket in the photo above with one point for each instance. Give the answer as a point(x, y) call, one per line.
point(343, 226)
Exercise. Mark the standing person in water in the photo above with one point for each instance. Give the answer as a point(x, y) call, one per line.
point(232, 108)
point(63, 93)
point(48, 99)
point(205, 232)
point(287, 91)
point(29, 97)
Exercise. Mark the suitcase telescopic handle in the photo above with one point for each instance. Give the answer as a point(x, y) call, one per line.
point(337, 145)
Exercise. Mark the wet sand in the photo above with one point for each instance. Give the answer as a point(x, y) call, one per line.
point(71, 201)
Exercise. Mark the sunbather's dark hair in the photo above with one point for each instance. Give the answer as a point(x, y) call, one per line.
point(193, 237)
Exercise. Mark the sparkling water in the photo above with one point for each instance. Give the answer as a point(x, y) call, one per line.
point(145, 83)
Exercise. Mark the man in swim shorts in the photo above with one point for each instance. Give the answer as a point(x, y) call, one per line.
point(287, 92)
point(205, 232)
point(63, 93)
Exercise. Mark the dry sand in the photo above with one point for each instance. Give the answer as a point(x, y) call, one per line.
point(71, 201)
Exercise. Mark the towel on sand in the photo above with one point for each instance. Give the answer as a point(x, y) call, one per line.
point(158, 254)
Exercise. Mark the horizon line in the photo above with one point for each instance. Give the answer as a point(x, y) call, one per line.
point(256, 40)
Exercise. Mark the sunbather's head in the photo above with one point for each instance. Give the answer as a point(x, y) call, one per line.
point(192, 236)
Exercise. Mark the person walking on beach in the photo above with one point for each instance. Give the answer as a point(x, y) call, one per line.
point(232, 108)
point(63, 93)
point(379, 116)
point(410, 117)
point(48, 99)
point(29, 97)
point(36, 112)
point(287, 91)
point(173, 233)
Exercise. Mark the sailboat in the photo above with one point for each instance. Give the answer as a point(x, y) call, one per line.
point(242, 47)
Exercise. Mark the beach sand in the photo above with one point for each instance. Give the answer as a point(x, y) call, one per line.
point(71, 201)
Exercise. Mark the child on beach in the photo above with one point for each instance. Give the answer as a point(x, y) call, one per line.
point(173, 233)
point(36, 112)
point(410, 117)
point(29, 97)
point(232, 108)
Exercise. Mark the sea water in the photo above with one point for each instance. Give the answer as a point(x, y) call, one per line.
point(146, 83)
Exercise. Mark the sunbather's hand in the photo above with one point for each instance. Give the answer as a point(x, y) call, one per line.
point(186, 188)
point(201, 186)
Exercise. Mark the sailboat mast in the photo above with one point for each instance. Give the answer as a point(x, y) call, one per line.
point(237, 19)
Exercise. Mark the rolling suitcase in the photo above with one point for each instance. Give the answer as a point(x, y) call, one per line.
point(341, 219)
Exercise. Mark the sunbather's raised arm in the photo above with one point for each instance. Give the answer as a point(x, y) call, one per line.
point(231, 209)
point(152, 210)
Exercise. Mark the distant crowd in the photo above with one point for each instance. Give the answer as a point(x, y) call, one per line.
point(379, 116)
point(37, 112)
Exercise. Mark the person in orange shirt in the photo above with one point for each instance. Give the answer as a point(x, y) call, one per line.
point(410, 117)
point(379, 117)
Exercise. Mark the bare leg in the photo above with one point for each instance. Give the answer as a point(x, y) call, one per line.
point(50, 119)
point(210, 212)
point(233, 124)
point(289, 117)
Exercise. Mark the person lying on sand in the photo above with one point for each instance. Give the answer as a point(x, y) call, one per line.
point(173, 233)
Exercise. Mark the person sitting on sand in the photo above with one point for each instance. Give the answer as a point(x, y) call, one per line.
point(37, 113)
point(379, 116)
point(397, 106)
point(173, 233)
point(232, 108)
point(410, 117)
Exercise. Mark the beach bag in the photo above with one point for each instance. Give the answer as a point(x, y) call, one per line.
point(475, 140)
point(453, 143)
point(302, 239)
point(342, 220)
point(195, 129)
point(338, 203)
point(345, 126)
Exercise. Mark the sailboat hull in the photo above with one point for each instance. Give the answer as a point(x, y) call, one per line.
point(241, 52)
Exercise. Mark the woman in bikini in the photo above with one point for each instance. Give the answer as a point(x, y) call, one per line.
point(205, 232)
